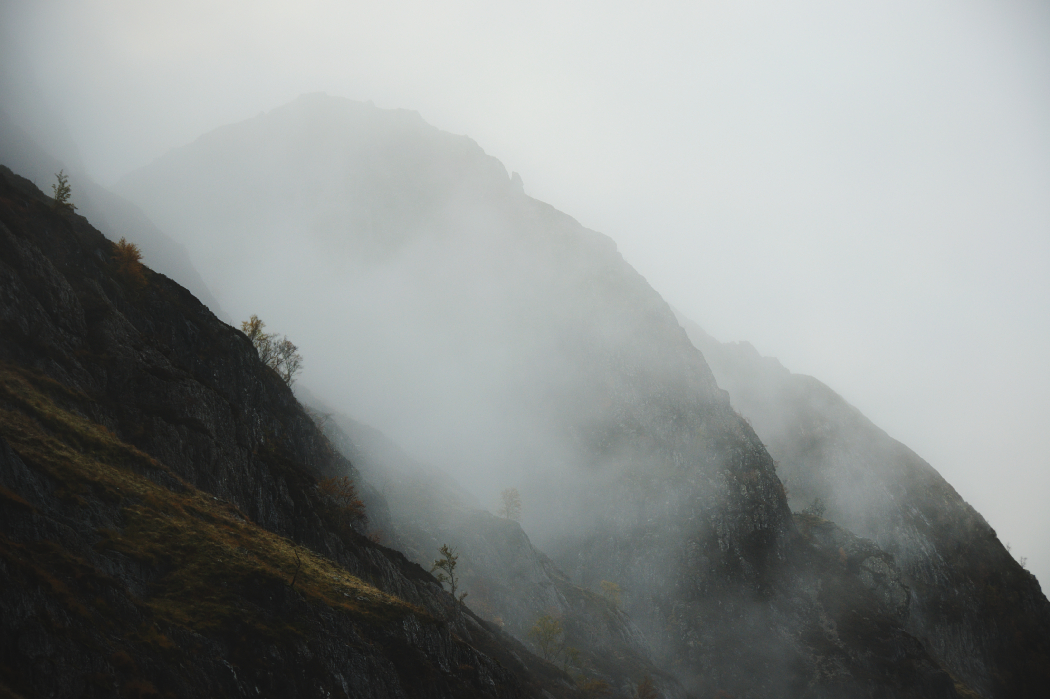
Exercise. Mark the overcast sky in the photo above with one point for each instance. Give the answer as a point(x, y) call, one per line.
point(860, 189)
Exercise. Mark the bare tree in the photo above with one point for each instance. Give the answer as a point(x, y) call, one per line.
point(546, 633)
point(288, 361)
point(280, 354)
point(510, 504)
point(446, 571)
point(549, 636)
point(343, 494)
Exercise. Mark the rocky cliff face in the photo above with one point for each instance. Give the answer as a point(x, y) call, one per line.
point(493, 324)
point(162, 529)
point(977, 611)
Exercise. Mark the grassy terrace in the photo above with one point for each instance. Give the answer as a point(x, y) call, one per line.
point(205, 562)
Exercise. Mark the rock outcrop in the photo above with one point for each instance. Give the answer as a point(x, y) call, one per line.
point(975, 608)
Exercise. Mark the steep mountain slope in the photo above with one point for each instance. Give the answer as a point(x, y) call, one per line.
point(483, 328)
point(981, 614)
point(162, 528)
point(114, 216)
point(507, 580)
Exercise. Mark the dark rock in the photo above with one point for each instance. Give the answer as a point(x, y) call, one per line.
point(977, 611)
point(158, 486)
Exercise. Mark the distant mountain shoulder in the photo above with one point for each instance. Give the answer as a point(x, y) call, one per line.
point(977, 610)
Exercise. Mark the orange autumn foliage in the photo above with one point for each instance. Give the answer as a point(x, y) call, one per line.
point(128, 261)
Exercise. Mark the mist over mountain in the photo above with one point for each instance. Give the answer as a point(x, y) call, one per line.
point(147, 448)
point(980, 612)
point(486, 329)
point(508, 581)
point(115, 216)
point(858, 189)
point(511, 346)
point(165, 529)
point(508, 467)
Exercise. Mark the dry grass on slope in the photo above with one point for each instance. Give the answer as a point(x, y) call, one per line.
point(207, 563)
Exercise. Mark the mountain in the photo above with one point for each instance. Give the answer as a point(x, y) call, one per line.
point(508, 581)
point(115, 216)
point(981, 614)
point(513, 346)
point(165, 530)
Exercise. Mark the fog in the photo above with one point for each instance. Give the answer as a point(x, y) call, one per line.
point(482, 330)
point(860, 191)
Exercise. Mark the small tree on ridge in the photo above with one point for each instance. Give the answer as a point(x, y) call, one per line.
point(280, 354)
point(446, 571)
point(510, 504)
point(343, 494)
point(546, 634)
point(128, 259)
point(62, 192)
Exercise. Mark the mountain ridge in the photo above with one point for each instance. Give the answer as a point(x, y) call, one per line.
point(114, 216)
point(163, 533)
point(951, 558)
point(515, 343)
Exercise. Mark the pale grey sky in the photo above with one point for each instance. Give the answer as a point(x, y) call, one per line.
point(860, 189)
